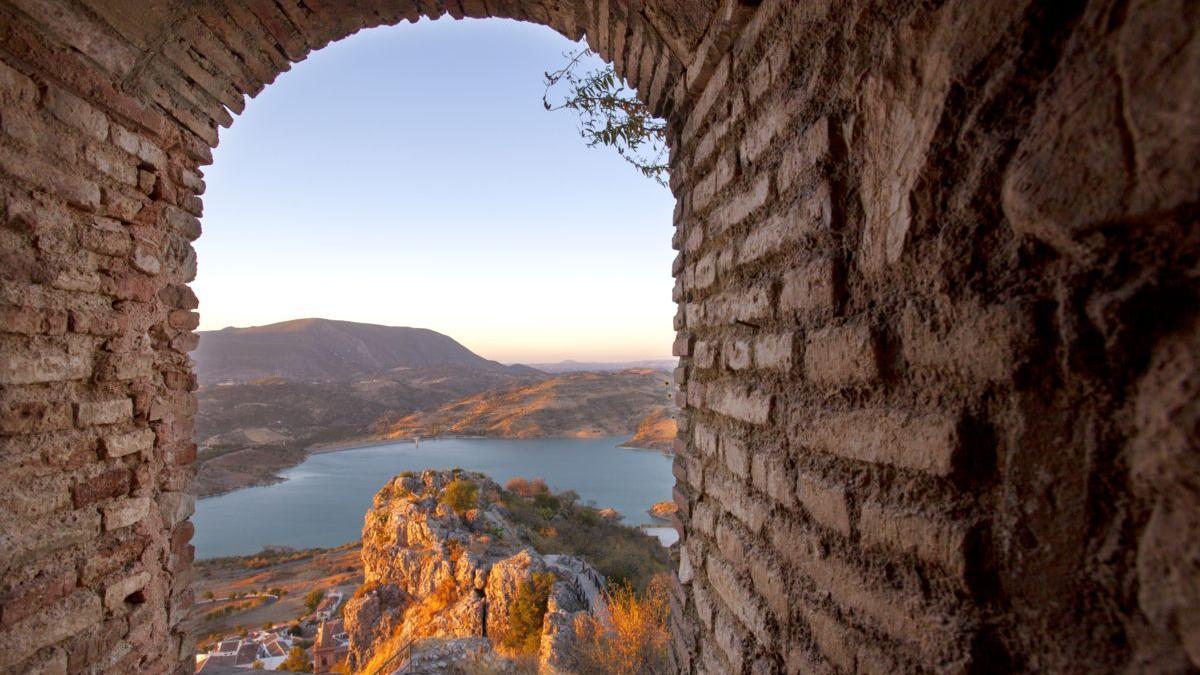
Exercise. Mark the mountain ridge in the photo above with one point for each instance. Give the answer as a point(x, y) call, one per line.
point(329, 349)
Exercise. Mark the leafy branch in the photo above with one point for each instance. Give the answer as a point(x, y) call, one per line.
point(610, 114)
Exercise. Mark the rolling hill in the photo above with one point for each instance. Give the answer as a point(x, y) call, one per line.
point(585, 404)
point(323, 349)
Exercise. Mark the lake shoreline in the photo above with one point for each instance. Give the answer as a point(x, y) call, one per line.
point(328, 492)
point(330, 447)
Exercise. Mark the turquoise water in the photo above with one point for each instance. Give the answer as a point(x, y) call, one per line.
point(323, 500)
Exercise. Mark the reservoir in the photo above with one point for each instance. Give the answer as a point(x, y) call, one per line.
point(323, 500)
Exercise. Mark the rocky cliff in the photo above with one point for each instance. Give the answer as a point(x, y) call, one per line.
point(443, 562)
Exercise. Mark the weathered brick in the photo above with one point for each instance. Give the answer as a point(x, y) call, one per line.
point(24, 320)
point(763, 131)
point(16, 88)
point(730, 638)
point(842, 356)
point(740, 306)
point(705, 439)
point(37, 365)
point(704, 518)
point(931, 539)
point(794, 543)
point(770, 474)
point(737, 208)
point(124, 512)
point(770, 584)
point(112, 367)
point(30, 496)
point(29, 539)
point(977, 342)
point(145, 261)
point(56, 621)
point(736, 458)
point(112, 483)
point(812, 287)
point(704, 604)
point(682, 345)
point(112, 411)
point(184, 319)
point(825, 503)
point(27, 597)
point(176, 507)
point(920, 442)
point(740, 402)
point(118, 445)
point(685, 572)
point(896, 613)
point(834, 640)
point(106, 236)
point(705, 355)
point(736, 354)
point(75, 189)
point(809, 150)
point(738, 598)
point(112, 557)
point(27, 417)
point(732, 543)
point(775, 352)
point(116, 593)
point(746, 507)
point(706, 272)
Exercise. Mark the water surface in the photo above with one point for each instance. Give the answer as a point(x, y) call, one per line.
point(323, 500)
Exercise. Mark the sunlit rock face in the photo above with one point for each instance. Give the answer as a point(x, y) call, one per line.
point(432, 572)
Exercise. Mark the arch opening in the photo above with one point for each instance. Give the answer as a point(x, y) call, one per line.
point(514, 248)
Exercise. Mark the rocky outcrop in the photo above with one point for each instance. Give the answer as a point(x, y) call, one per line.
point(432, 572)
point(655, 431)
point(664, 510)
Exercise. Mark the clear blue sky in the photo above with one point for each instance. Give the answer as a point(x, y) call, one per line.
point(410, 176)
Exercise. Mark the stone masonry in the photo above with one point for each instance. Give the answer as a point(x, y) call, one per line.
point(937, 312)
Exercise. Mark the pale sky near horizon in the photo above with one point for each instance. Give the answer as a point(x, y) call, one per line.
point(409, 176)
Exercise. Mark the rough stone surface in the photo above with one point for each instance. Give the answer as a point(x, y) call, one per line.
point(1005, 193)
point(433, 574)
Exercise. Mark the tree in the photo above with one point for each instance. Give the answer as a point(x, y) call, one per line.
point(297, 661)
point(527, 613)
point(611, 114)
point(518, 485)
point(313, 598)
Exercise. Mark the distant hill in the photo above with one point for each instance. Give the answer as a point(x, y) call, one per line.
point(579, 405)
point(323, 349)
point(570, 366)
point(270, 393)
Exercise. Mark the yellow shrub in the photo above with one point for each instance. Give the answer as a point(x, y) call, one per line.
point(636, 638)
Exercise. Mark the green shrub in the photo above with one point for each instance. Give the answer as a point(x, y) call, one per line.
point(621, 553)
point(545, 500)
point(461, 495)
point(527, 612)
point(297, 661)
point(313, 598)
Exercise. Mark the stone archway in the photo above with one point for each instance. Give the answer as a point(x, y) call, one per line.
point(936, 320)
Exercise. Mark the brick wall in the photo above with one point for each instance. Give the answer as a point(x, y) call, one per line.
point(936, 311)
point(913, 314)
